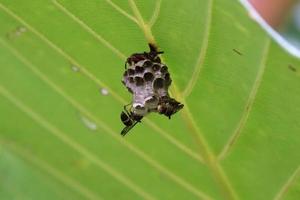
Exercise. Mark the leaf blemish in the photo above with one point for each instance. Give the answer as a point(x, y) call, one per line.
point(88, 123)
point(104, 91)
point(292, 68)
point(17, 32)
point(75, 68)
point(237, 51)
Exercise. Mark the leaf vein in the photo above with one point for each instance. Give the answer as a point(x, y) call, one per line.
point(249, 104)
point(203, 50)
point(155, 14)
point(288, 184)
point(97, 36)
point(120, 10)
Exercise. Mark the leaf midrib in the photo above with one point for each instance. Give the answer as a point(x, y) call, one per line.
point(205, 151)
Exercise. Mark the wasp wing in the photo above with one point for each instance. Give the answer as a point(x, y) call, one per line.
point(128, 128)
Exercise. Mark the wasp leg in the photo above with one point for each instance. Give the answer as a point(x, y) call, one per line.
point(126, 110)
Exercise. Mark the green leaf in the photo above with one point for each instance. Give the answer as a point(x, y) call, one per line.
point(61, 97)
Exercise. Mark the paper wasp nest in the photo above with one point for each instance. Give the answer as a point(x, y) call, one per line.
point(148, 80)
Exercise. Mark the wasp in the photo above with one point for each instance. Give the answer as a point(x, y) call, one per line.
point(129, 119)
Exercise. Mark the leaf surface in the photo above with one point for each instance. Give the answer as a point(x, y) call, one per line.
point(61, 96)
